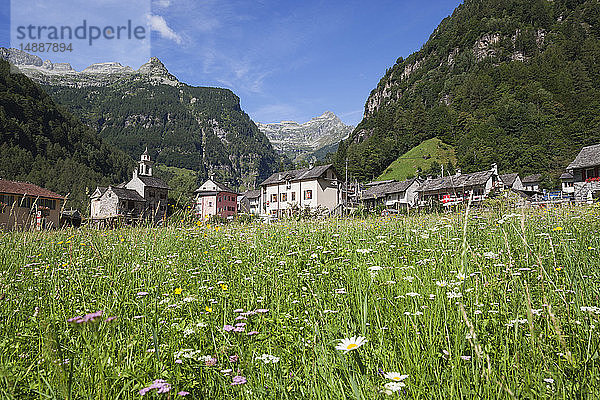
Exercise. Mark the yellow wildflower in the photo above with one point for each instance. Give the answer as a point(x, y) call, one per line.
point(178, 290)
point(208, 309)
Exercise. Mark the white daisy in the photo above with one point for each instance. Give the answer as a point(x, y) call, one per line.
point(395, 376)
point(350, 344)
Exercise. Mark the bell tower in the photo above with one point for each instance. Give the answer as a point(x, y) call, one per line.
point(145, 164)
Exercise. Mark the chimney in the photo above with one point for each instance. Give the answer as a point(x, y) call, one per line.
point(135, 173)
point(495, 168)
point(458, 172)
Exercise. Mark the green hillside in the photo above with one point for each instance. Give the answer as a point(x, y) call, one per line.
point(429, 155)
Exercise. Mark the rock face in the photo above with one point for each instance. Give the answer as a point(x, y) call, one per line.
point(298, 141)
point(197, 128)
point(99, 74)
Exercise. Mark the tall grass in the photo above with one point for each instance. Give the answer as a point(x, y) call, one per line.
point(501, 309)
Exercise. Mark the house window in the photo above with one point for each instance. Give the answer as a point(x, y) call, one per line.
point(589, 173)
point(293, 196)
point(210, 203)
point(163, 196)
point(274, 198)
point(283, 196)
point(307, 194)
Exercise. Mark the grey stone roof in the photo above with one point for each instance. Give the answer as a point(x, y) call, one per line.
point(589, 156)
point(566, 176)
point(153, 182)
point(509, 179)
point(297, 175)
point(456, 181)
point(385, 188)
point(126, 194)
point(532, 178)
point(251, 194)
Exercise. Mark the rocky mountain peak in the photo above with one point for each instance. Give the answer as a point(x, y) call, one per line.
point(299, 139)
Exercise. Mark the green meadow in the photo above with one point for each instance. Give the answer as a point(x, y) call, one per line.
point(469, 305)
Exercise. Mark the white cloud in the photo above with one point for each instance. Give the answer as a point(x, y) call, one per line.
point(158, 23)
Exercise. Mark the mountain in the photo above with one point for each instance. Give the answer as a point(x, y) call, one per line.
point(425, 159)
point(515, 82)
point(303, 141)
point(43, 144)
point(198, 128)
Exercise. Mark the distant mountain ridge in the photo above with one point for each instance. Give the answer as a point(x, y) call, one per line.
point(298, 140)
point(198, 128)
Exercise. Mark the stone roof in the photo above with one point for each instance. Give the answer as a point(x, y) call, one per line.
point(385, 188)
point(456, 181)
point(535, 178)
point(509, 179)
point(251, 194)
point(297, 175)
point(153, 182)
point(126, 194)
point(26, 188)
point(566, 176)
point(589, 156)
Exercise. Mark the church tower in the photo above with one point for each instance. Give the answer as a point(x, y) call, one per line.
point(145, 164)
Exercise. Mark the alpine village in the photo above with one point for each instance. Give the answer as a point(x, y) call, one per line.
point(155, 240)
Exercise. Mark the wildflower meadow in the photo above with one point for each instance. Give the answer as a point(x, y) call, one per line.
point(478, 304)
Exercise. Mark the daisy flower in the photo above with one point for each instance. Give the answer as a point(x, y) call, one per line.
point(395, 376)
point(350, 344)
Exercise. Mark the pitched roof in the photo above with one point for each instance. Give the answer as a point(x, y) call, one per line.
point(566, 175)
point(16, 187)
point(509, 179)
point(126, 194)
point(153, 182)
point(297, 174)
point(532, 178)
point(251, 194)
point(589, 156)
point(220, 188)
point(456, 181)
point(389, 187)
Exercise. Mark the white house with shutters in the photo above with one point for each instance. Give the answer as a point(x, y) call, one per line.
point(316, 188)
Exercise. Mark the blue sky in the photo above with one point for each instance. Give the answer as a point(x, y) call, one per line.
point(286, 60)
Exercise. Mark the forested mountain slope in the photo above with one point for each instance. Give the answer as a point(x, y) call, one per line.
point(42, 143)
point(198, 128)
point(515, 82)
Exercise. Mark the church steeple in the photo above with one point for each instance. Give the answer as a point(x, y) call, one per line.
point(145, 164)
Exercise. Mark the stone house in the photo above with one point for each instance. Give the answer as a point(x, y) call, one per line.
point(391, 194)
point(214, 198)
point(511, 181)
point(144, 197)
point(585, 170)
point(316, 188)
point(25, 206)
point(531, 183)
point(456, 189)
point(567, 182)
point(249, 202)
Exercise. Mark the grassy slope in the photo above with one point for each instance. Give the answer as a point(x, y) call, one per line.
point(315, 279)
point(419, 157)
